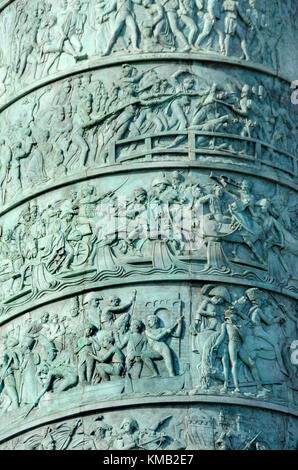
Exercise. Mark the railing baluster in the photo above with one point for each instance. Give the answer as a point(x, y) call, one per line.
point(191, 145)
point(148, 146)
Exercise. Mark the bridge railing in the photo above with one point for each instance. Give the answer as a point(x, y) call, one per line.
point(195, 145)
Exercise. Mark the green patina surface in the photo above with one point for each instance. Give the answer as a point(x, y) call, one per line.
point(148, 242)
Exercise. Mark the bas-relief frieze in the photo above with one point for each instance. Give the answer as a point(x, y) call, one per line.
point(147, 114)
point(56, 36)
point(126, 290)
point(162, 223)
point(216, 340)
point(198, 428)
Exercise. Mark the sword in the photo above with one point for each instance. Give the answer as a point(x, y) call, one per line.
point(247, 446)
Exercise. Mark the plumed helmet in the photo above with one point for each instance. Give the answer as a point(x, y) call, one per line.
point(160, 180)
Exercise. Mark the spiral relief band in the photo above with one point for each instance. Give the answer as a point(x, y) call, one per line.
point(148, 225)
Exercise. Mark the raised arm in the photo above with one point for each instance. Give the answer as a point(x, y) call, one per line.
point(159, 334)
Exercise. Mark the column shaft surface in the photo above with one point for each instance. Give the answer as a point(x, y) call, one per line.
point(148, 242)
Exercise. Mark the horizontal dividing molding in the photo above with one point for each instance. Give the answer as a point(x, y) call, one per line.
point(103, 62)
point(61, 415)
point(192, 279)
point(5, 4)
point(106, 170)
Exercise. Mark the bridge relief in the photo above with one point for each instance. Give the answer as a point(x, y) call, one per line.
point(192, 114)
